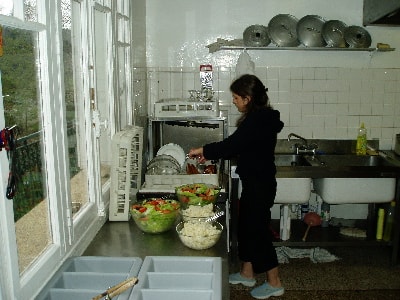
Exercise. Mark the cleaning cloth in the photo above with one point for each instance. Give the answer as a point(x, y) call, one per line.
point(316, 255)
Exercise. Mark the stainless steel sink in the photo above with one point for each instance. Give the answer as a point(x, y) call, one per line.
point(290, 160)
point(349, 160)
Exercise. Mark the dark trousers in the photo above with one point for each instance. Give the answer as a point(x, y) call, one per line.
point(254, 234)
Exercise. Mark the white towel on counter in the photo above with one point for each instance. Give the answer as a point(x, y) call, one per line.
point(244, 65)
point(316, 255)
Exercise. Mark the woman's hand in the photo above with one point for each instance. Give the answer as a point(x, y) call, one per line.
point(197, 153)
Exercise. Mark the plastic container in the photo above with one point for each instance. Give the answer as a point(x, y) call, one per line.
point(361, 146)
point(179, 278)
point(84, 277)
point(325, 214)
point(387, 234)
point(379, 226)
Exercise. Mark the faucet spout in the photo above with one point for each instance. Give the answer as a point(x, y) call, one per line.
point(302, 148)
point(296, 136)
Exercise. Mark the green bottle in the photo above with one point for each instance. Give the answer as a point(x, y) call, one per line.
point(387, 234)
point(361, 147)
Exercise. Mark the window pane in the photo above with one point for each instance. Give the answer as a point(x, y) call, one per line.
point(74, 111)
point(30, 10)
point(22, 108)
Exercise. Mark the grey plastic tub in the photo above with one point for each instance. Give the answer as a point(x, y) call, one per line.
point(179, 278)
point(87, 276)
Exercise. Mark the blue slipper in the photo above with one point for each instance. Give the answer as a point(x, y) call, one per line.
point(265, 291)
point(236, 278)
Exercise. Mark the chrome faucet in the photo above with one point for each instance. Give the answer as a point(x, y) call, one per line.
point(289, 137)
point(304, 148)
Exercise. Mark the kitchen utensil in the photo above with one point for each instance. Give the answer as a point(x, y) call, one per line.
point(357, 37)
point(216, 216)
point(256, 36)
point(117, 289)
point(174, 150)
point(311, 219)
point(282, 30)
point(309, 31)
point(333, 33)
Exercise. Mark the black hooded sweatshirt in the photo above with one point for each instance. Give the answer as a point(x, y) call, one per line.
point(252, 144)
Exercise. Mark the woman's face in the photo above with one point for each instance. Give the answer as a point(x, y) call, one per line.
point(240, 102)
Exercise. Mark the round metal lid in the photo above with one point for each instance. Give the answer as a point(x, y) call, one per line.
point(256, 36)
point(357, 37)
point(282, 30)
point(333, 33)
point(309, 31)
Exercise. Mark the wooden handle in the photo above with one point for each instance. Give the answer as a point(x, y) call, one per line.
point(123, 288)
point(306, 233)
point(117, 289)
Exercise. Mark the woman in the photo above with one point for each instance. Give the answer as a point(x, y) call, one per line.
point(253, 143)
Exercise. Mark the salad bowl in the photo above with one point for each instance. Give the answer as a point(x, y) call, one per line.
point(155, 215)
point(197, 194)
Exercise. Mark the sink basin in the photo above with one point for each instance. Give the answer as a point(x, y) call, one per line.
point(292, 190)
point(354, 190)
point(350, 161)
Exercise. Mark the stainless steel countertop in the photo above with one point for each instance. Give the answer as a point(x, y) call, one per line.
point(125, 239)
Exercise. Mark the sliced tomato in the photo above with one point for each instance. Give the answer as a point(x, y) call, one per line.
point(185, 199)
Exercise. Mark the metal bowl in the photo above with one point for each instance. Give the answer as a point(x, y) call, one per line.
point(309, 31)
point(333, 33)
point(357, 37)
point(282, 30)
point(256, 36)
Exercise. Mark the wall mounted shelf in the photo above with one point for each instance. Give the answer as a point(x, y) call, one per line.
point(307, 48)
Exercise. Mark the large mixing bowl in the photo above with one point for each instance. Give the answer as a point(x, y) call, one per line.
point(199, 235)
point(199, 213)
point(197, 194)
point(155, 215)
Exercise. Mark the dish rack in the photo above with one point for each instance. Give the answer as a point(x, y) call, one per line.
point(126, 171)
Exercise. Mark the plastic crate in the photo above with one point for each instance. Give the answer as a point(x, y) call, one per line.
point(126, 171)
point(162, 182)
point(179, 278)
point(183, 108)
point(85, 277)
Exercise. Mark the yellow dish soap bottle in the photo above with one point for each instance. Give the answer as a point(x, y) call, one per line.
point(361, 147)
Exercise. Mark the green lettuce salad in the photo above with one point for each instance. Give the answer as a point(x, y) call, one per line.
point(197, 193)
point(155, 215)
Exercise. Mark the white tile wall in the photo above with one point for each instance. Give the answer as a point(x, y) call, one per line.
point(322, 103)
